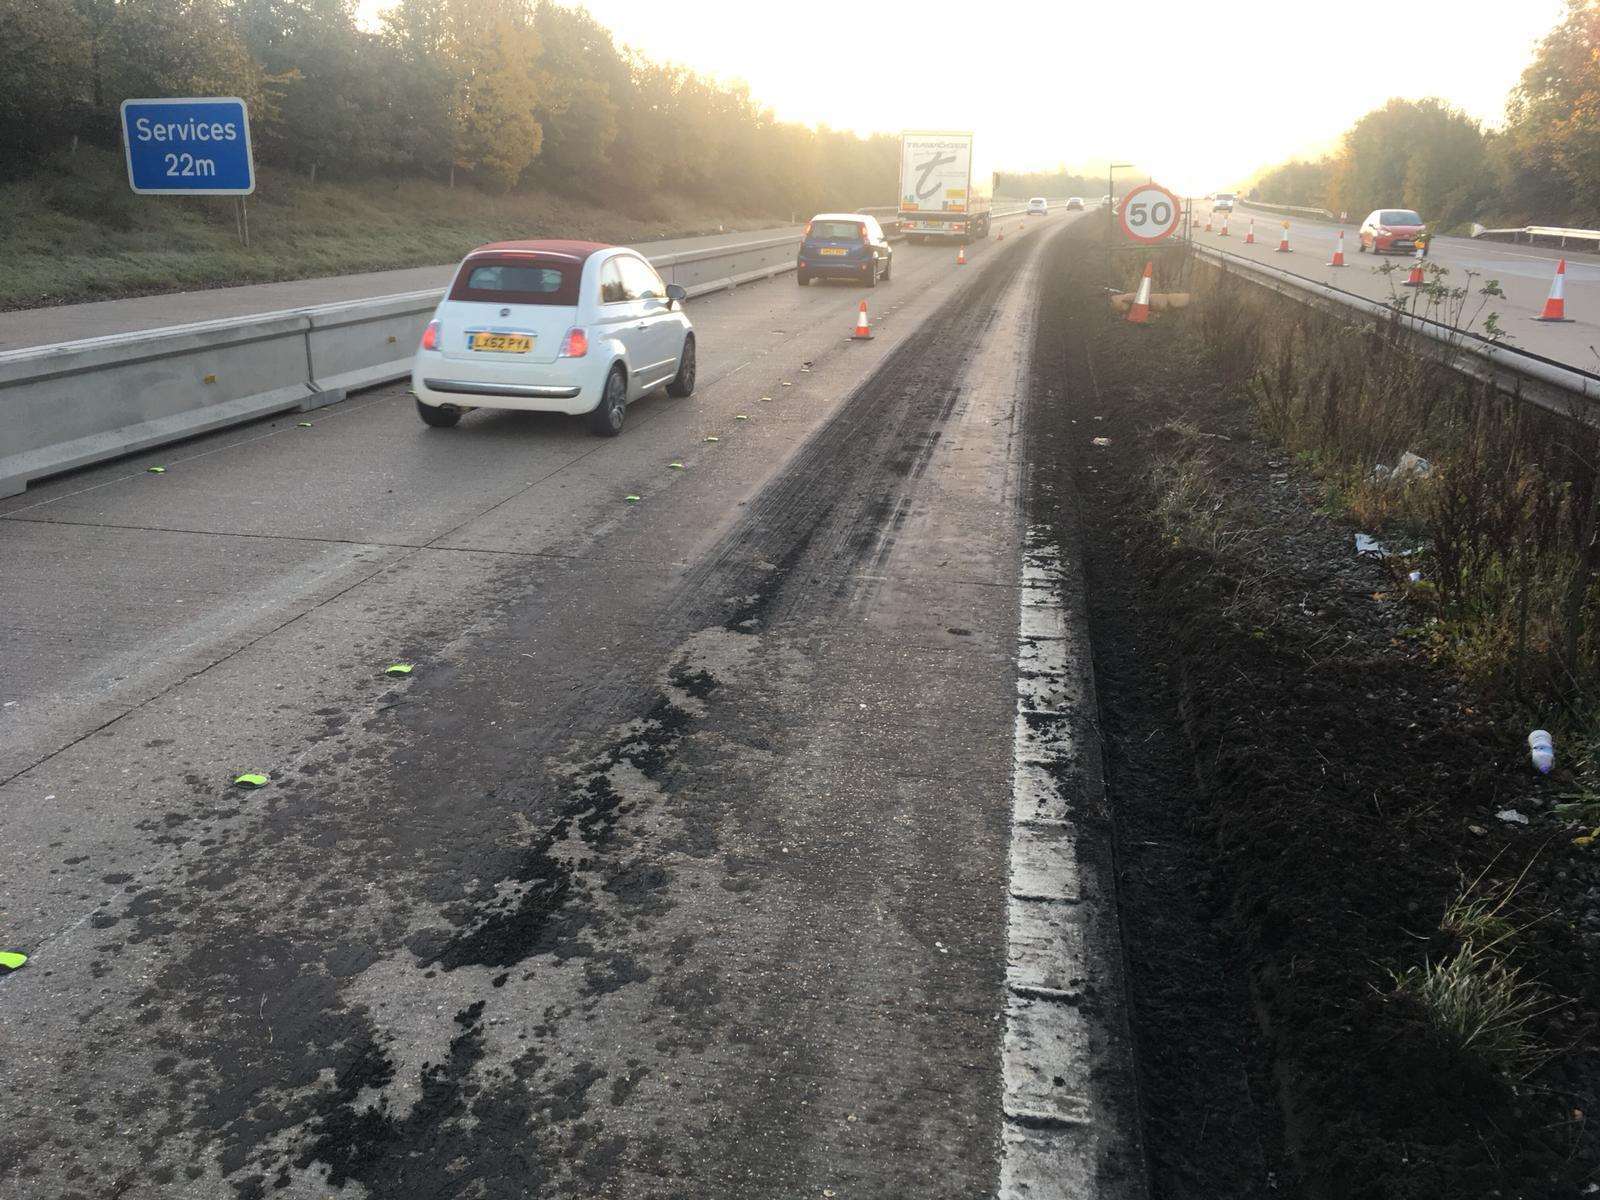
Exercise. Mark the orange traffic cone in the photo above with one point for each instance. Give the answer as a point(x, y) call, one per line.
point(961, 256)
point(1250, 233)
point(1140, 312)
point(1555, 308)
point(1415, 278)
point(1208, 222)
point(862, 333)
point(1224, 230)
point(1338, 252)
point(1283, 241)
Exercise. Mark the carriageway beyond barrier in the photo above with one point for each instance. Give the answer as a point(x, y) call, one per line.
point(1552, 385)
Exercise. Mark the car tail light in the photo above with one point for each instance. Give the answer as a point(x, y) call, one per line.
point(807, 233)
point(430, 336)
point(575, 344)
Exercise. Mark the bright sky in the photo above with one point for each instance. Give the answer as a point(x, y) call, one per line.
point(1199, 94)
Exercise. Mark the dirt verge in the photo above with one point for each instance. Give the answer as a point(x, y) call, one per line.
point(1301, 792)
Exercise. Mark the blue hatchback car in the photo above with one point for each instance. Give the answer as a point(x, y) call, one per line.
point(844, 246)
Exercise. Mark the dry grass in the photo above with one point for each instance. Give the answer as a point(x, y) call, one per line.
point(1475, 999)
point(1508, 513)
point(1480, 1007)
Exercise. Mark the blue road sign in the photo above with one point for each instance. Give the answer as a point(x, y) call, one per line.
point(188, 147)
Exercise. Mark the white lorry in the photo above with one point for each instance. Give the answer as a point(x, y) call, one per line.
point(946, 190)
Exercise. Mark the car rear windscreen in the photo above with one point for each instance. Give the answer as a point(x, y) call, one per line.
point(1399, 216)
point(519, 279)
point(837, 231)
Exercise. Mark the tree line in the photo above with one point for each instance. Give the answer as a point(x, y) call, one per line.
point(495, 93)
point(1057, 183)
point(1542, 165)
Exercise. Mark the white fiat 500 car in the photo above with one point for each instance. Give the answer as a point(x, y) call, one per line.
point(553, 326)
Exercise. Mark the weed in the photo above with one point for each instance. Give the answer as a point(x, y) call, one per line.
point(1476, 999)
point(1480, 1007)
point(1508, 510)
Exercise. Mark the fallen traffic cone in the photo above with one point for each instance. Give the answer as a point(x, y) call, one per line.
point(1140, 312)
point(961, 256)
point(862, 333)
point(1250, 233)
point(1555, 308)
point(1283, 241)
point(1338, 252)
point(1415, 278)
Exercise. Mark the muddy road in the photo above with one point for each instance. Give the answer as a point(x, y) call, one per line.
point(677, 866)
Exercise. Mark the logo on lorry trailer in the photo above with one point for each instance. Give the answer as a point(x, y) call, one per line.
point(1150, 213)
point(924, 188)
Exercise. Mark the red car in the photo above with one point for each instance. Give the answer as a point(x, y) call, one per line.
point(1390, 230)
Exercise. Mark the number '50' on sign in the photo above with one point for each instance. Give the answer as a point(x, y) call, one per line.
point(1149, 213)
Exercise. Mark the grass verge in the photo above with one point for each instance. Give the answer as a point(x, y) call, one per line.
point(74, 231)
point(1359, 738)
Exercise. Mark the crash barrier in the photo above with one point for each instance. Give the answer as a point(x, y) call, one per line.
point(1540, 235)
point(75, 403)
point(1287, 209)
point(1543, 381)
point(889, 215)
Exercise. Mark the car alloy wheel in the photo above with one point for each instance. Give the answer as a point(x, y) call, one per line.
point(607, 417)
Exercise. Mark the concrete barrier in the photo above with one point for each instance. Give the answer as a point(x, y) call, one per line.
point(76, 403)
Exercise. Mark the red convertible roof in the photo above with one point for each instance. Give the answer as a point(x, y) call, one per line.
point(566, 248)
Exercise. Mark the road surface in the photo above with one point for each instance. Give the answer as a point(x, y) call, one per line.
point(676, 868)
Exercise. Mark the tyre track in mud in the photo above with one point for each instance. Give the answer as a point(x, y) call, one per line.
point(480, 868)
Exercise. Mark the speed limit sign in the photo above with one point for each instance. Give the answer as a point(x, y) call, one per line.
point(1150, 213)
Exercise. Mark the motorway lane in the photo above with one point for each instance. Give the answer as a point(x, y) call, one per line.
point(1524, 273)
point(71, 322)
point(676, 869)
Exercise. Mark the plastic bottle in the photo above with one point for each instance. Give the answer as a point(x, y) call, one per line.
point(1542, 750)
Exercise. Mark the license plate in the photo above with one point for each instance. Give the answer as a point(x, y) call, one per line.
point(500, 343)
point(1401, 245)
point(832, 250)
